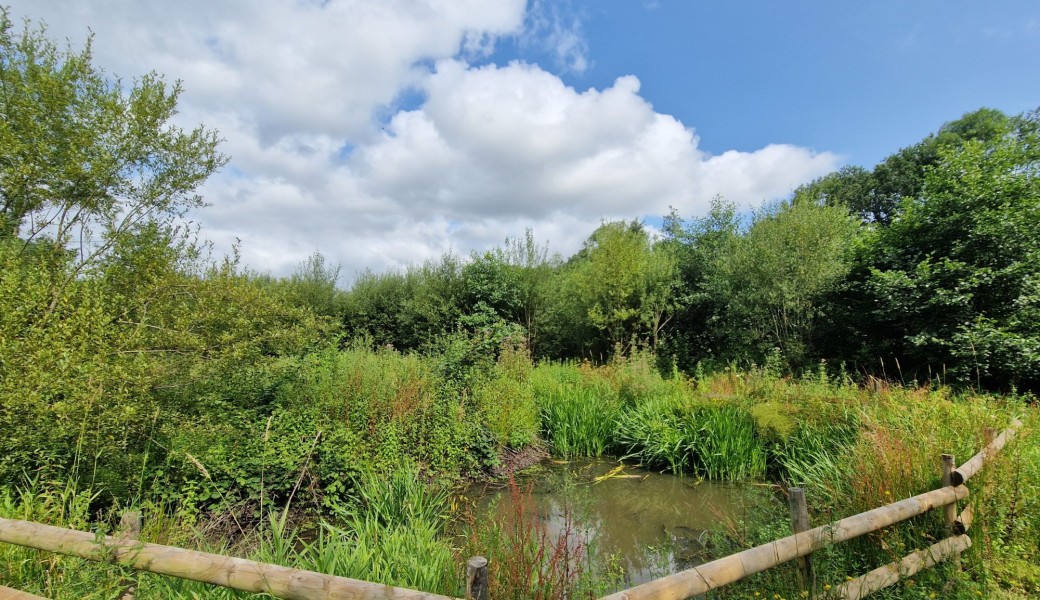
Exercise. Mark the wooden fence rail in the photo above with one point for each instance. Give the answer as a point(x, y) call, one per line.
point(733, 568)
point(296, 584)
point(226, 571)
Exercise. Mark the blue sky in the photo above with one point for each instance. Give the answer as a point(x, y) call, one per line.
point(384, 133)
point(862, 79)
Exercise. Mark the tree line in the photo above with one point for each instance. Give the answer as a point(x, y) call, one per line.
point(925, 267)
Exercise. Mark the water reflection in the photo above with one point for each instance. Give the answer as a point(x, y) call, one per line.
point(651, 524)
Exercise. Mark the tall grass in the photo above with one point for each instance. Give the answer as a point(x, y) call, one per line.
point(725, 446)
point(682, 435)
point(505, 400)
point(578, 409)
point(60, 504)
point(852, 448)
point(657, 433)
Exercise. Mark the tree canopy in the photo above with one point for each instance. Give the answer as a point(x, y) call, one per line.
point(84, 157)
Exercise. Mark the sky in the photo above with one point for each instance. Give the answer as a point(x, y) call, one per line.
point(383, 133)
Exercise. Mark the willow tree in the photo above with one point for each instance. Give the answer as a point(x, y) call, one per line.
point(84, 157)
point(94, 178)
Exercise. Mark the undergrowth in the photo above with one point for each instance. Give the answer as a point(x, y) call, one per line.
point(363, 447)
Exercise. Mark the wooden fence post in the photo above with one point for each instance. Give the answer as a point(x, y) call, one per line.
point(477, 578)
point(949, 464)
point(130, 523)
point(950, 510)
point(800, 523)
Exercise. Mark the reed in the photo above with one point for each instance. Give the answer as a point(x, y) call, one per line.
point(684, 436)
point(578, 410)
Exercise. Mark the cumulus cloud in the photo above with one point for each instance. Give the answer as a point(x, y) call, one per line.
point(515, 142)
point(326, 157)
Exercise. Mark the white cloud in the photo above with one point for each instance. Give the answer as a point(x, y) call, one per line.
point(299, 91)
point(515, 142)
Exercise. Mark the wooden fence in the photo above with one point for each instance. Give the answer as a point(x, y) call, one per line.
point(296, 584)
point(735, 567)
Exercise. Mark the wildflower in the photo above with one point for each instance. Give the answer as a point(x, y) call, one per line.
point(826, 587)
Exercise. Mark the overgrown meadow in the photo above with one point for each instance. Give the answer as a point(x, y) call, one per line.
point(353, 471)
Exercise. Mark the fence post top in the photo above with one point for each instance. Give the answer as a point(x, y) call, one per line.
point(477, 562)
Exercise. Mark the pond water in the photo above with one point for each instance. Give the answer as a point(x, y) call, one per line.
point(652, 524)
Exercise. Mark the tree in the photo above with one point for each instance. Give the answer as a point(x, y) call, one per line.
point(877, 195)
point(953, 283)
point(624, 284)
point(313, 284)
point(83, 162)
point(535, 270)
point(776, 275)
point(115, 334)
point(699, 330)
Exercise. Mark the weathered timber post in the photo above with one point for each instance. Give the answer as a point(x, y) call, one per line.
point(950, 510)
point(130, 529)
point(130, 524)
point(800, 523)
point(949, 464)
point(477, 578)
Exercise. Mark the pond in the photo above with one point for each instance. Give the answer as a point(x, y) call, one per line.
point(651, 524)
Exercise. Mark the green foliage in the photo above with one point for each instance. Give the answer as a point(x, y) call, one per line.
point(399, 498)
point(506, 401)
point(953, 281)
point(313, 285)
point(775, 276)
point(656, 432)
point(700, 331)
point(577, 409)
point(716, 441)
point(774, 421)
point(389, 405)
point(54, 576)
point(406, 310)
point(623, 284)
point(79, 156)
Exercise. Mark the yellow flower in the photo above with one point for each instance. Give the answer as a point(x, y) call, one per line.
point(826, 587)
